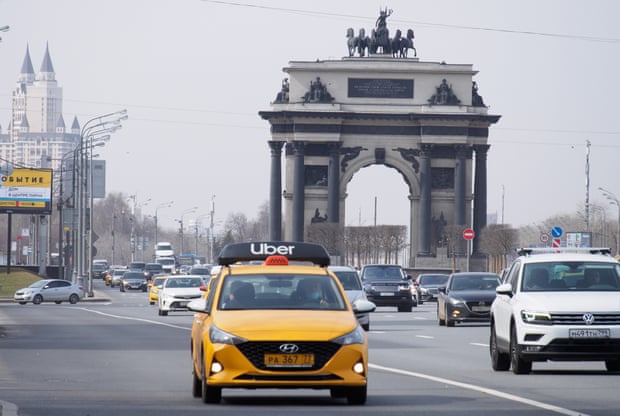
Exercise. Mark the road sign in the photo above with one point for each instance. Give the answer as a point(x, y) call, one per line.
point(544, 237)
point(468, 234)
point(556, 232)
point(556, 243)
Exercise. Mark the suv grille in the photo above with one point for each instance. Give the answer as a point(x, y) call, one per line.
point(612, 318)
point(255, 351)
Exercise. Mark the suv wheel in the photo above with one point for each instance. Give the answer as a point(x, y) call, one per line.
point(404, 308)
point(519, 365)
point(500, 361)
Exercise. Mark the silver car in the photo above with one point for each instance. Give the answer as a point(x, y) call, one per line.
point(350, 281)
point(50, 290)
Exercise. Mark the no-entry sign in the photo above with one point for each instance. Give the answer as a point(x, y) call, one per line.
point(468, 234)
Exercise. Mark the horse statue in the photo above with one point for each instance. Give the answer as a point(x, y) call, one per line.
point(395, 44)
point(362, 42)
point(351, 41)
point(407, 43)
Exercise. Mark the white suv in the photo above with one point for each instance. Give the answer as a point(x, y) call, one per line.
point(560, 306)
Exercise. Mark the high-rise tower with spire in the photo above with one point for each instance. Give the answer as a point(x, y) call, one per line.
point(37, 135)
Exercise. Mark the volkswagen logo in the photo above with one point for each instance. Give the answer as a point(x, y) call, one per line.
point(289, 348)
point(588, 318)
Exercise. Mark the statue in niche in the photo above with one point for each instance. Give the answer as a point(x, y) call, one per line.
point(317, 93)
point(476, 99)
point(444, 95)
point(349, 153)
point(439, 225)
point(410, 156)
point(317, 217)
point(282, 96)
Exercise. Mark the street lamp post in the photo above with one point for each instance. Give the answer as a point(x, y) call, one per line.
point(134, 197)
point(613, 200)
point(93, 131)
point(164, 205)
point(181, 224)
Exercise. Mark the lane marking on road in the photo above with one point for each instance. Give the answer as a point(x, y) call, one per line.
point(479, 344)
point(425, 336)
point(480, 389)
point(129, 318)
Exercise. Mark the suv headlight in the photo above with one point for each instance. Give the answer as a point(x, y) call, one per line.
point(217, 336)
point(356, 336)
point(536, 317)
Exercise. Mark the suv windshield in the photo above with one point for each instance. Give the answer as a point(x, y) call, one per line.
point(383, 273)
point(571, 276)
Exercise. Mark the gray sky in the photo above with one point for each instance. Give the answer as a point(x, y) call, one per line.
point(193, 75)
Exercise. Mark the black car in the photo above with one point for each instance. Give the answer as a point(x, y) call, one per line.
point(466, 297)
point(428, 284)
point(99, 270)
point(133, 280)
point(151, 269)
point(389, 285)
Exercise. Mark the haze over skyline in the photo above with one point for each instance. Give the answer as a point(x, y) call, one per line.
point(194, 74)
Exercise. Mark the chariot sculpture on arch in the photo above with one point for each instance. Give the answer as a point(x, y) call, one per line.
point(380, 41)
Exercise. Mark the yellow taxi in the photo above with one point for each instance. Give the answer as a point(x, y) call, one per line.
point(154, 287)
point(268, 323)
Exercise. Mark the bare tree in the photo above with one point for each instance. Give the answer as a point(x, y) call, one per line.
point(497, 241)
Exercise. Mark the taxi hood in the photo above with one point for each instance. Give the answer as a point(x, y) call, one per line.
point(292, 325)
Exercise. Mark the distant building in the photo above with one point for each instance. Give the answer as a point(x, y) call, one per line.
point(37, 135)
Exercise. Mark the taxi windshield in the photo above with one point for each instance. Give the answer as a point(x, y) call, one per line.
point(281, 291)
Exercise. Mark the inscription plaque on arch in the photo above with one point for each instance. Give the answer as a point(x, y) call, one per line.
point(380, 88)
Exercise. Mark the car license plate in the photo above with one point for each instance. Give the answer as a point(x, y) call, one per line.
point(480, 308)
point(589, 333)
point(183, 304)
point(289, 360)
point(386, 294)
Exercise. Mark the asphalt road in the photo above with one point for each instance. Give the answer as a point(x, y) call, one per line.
point(121, 358)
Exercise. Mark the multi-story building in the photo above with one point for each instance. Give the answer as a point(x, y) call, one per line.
point(37, 136)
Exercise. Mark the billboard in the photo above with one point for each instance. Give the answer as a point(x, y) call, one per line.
point(26, 191)
point(578, 239)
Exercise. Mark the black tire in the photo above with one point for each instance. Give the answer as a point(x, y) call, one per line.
point(404, 308)
point(612, 365)
point(366, 327)
point(151, 302)
point(58, 302)
point(210, 394)
point(23, 303)
point(500, 361)
point(196, 383)
point(356, 395)
point(73, 299)
point(162, 313)
point(518, 364)
point(37, 299)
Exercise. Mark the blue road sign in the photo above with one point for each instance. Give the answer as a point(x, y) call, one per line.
point(556, 232)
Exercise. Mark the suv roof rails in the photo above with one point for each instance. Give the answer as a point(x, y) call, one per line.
point(528, 251)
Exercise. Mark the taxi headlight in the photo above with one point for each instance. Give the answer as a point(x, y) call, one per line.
point(356, 336)
point(217, 336)
point(536, 317)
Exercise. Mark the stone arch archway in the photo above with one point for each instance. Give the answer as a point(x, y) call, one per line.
point(376, 116)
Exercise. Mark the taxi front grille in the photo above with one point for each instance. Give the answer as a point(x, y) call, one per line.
point(255, 353)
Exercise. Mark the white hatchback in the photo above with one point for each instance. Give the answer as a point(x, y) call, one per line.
point(557, 306)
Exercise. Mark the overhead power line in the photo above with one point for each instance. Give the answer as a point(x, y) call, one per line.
point(430, 24)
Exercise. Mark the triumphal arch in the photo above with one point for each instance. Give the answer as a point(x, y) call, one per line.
point(379, 105)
